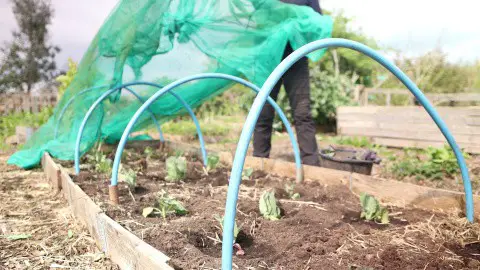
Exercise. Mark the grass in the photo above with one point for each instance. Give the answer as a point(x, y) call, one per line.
point(9, 122)
point(187, 128)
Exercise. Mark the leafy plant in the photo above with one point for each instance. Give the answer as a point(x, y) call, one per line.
point(268, 206)
point(371, 209)
point(437, 163)
point(66, 80)
point(176, 168)
point(247, 173)
point(360, 142)
point(212, 162)
point(101, 162)
point(9, 122)
point(148, 152)
point(290, 189)
point(165, 206)
point(129, 176)
point(236, 229)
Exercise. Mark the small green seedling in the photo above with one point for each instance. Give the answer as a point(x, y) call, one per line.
point(236, 231)
point(129, 176)
point(148, 152)
point(212, 162)
point(101, 162)
point(290, 191)
point(246, 174)
point(268, 206)
point(371, 209)
point(166, 206)
point(176, 169)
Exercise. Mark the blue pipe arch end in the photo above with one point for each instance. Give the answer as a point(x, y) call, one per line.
point(242, 147)
point(169, 88)
point(127, 87)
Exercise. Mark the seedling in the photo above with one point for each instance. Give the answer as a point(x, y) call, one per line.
point(101, 162)
point(166, 206)
point(212, 162)
point(268, 206)
point(176, 169)
point(148, 152)
point(246, 174)
point(371, 209)
point(290, 191)
point(236, 231)
point(129, 176)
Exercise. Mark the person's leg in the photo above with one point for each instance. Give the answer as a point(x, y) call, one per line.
point(262, 136)
point(297, 85)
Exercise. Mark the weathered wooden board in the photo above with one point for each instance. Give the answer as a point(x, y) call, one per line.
point(52, 171)
point(411, 126)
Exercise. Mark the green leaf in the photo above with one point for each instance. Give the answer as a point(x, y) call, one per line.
point(176, 168)
point(295, 196)
point(168, 205)
point(212, 162)
point(236, 229)
point(371, 209)
point(129, 176)
point(146, 212)
point(70, 233)
point(383, 216)
point(247, 173)
point(15, 237)
point(268, 206)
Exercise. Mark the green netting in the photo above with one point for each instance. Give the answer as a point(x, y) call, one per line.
point(161, 41)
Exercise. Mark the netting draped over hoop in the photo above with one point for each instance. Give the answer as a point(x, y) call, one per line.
point(161, 41)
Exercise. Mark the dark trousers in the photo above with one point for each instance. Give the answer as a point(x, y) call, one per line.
point(297, 85)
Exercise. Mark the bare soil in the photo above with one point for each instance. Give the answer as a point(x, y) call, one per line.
point(321, 230)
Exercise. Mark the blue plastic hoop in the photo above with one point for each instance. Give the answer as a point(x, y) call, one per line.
point(170, 87)
point(126, 86)
point(242, 147)
point(64, 109)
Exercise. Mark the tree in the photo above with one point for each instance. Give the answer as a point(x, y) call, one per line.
point(359, 67)
point(28, 59)
point(433, 73)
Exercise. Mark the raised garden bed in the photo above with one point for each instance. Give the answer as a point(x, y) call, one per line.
point(320, 230)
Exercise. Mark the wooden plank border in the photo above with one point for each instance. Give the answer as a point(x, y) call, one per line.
point(124, 248)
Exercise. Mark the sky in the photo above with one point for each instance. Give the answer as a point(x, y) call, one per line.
point(412, 26)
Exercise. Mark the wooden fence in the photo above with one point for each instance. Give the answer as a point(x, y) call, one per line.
point(26, 103)
point(410, 126)
point(362, 96)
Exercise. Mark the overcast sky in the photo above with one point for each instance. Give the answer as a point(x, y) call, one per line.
point(413, 26)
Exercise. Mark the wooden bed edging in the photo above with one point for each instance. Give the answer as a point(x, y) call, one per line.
point(121, 246)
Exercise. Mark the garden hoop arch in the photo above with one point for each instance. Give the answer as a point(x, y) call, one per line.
point(121, 145)
point(64, 109)
point(126, 86)
point(253, 115)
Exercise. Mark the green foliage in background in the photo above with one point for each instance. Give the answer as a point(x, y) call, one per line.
point(9, 122)
point(358, 67)
point(432, 163)
point(67, 78)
